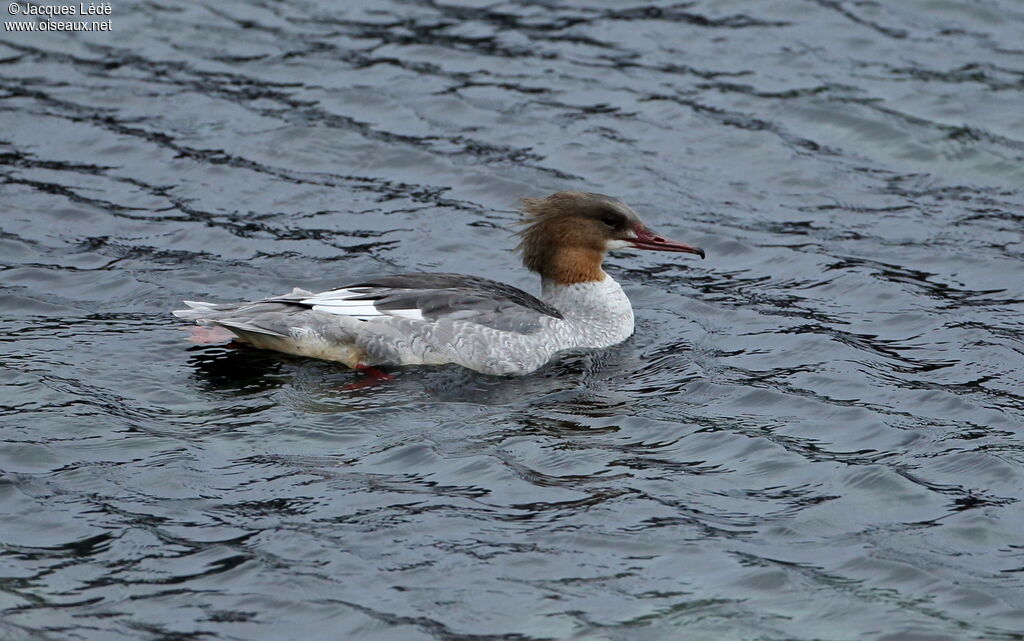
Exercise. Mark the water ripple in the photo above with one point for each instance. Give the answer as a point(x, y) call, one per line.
point(814, 434)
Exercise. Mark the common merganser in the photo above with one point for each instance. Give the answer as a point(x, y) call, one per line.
point(480, 324)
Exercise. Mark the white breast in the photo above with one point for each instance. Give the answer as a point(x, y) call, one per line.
point(597, 314)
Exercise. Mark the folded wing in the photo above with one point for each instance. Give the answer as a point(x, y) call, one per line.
point(433, 297)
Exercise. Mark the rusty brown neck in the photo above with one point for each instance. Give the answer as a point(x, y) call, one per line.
point(562, 248)
point(565, 265)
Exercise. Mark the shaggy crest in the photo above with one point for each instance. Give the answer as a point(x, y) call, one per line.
point(568, 232)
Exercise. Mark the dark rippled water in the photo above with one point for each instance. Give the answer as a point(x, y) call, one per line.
point(815, 433)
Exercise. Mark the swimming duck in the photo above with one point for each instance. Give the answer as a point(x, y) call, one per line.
point(478, 323)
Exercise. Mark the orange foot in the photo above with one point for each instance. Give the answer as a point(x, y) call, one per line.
point(202, 335)
point(373, 377)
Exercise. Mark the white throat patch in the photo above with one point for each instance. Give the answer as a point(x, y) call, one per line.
point(617, 243)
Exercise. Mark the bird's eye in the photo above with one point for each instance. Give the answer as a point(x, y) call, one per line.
point(611, 221)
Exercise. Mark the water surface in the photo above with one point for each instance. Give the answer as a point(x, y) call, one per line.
point(815, 434)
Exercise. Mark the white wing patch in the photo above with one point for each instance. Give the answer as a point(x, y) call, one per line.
point(340, 301)
point(414, 314)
